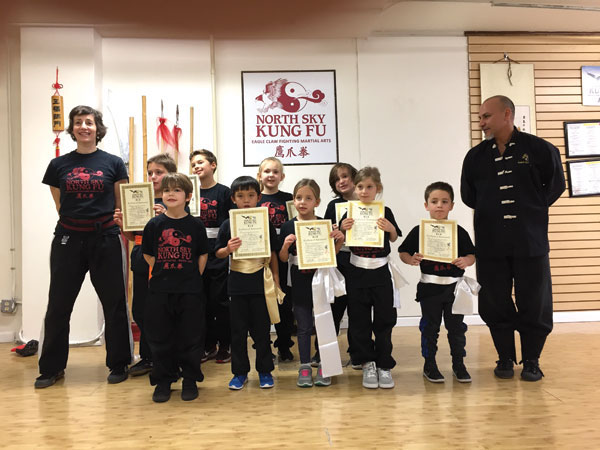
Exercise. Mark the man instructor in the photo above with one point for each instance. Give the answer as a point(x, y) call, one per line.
point(510, 180)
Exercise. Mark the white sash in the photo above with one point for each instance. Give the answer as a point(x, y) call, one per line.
point(465, 292)
point(292, 259)
point(212, 232)
point(398, 279)
point(326, 285)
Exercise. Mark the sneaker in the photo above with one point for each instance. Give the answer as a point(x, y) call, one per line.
point(142, 367)
point(531, 370)
point(118, 375)
point(385, 378)
point(305, 376)
point(162, 393)
point(266, 380)
point(320, 380)
point(209, 354)
point(189, 390)
point(355, 366)
point(316, 360)
point(432, 373)
point(370, 380)
point(504, 369)
point(223, 356)
point(238, 382)
point(460, 373)
point(44, 381)
point(285, 355)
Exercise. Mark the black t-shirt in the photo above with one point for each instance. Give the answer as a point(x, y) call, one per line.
point(343, 256)
point(86, 183)
point(360, 278)
point(176, 245)
point(411, 246)
point(215, 203)
point(277, 208)
point(243, 283)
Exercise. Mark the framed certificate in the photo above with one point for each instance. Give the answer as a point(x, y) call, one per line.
point(251, 225)
point(291, 209)
point(365, 232)
point(195, 201)
point(584, 177)
point(340, 209)
point(137, 203)
point(438, 240)
point(582, 138)
point(315, 246)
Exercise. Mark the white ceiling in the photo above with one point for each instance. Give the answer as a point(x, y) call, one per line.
point(279, 19)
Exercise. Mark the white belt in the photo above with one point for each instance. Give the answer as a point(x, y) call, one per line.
point(398, 279)
point(292, 259)
point(345, 248)
point(212, 232)
point(465, 292)
point(435, 279)
point(278, 230)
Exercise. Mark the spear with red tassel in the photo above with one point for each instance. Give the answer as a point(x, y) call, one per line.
point(177, 132)
point(164, 137)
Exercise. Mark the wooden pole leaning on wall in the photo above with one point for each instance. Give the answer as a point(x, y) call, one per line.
point(129, 243)
point(191, 134)
point(144, 138)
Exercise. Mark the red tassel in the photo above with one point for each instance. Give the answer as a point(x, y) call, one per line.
point(57, 145)
point(177, 132)
point(163, 133)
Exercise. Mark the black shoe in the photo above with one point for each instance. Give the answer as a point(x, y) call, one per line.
point(30, 349)
point(210, 354)
point(118, 375)
point(142, 367)
point(189, 390)
point(285, 354)
point(504, 369)
point(531, 370)
point(162, 393)
point(432, 373)
point(460, 372)
point(44, 381)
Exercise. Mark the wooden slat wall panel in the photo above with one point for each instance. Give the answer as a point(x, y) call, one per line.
point(574, 228)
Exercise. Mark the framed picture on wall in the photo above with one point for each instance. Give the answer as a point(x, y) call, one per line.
point(582, 138)
point(584, 177)
point(590, 85)
point(291, 115)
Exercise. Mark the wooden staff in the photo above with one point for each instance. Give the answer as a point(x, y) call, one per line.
point(129, 243)
point(144, 138)
point(191, 133)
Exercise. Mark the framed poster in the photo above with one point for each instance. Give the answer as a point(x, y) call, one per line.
point(582, 138)
point(291, 115)
point(584, 177)
point(590, 85)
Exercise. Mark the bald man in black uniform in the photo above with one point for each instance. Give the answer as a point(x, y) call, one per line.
point(510, 179)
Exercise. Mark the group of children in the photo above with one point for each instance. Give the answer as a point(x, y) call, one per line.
point(200, 304)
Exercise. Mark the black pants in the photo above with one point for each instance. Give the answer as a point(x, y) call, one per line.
point(286, 316)
point(71, 257)
point(432, 310)
point(175, 331)
point(379, 300)
point(303, 312)
point(138, 306)
point(531, 311)
point(249, 314)
point(218, 329)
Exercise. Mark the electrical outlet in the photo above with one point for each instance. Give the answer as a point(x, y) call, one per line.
point(8, 306)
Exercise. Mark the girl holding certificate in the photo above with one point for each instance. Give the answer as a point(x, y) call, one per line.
point(370, 287)
point(306, 199)
point(270, 175)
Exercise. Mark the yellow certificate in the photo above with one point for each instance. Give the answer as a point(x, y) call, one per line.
point(137, 204)
point(291, 209)
point(195, 201)
point(340, 209)
point(314, 244)
point(251, 225)
point(438, 240)
point(365, 232)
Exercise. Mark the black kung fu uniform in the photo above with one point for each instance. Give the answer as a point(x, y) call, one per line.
point(86, 238)
point(510, 194)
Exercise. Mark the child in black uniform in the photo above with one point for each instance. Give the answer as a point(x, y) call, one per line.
point(158, 166)
point(247, 287)
point(270, 175)
point(435, 291)
point(176, 248)
point(215, 203)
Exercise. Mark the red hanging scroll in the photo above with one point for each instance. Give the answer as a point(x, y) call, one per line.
point(58, 115)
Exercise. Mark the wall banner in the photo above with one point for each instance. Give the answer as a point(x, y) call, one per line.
point(291, 115)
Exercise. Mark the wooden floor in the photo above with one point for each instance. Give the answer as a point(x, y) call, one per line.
point(83, 411)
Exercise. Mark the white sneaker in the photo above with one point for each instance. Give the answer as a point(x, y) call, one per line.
point(370, 375)
point(385, 378)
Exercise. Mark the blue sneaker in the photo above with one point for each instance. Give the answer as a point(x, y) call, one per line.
point(238, 382)
point(266, 380)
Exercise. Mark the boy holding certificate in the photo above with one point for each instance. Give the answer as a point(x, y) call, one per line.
point(253, 281)
point(175, 246)
point(435, 291)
